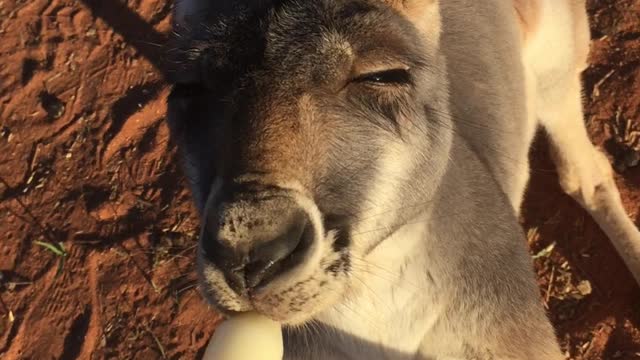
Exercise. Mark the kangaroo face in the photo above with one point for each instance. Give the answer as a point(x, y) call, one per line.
point(303, 126)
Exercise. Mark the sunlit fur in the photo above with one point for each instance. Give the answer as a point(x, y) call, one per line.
point(412, 188)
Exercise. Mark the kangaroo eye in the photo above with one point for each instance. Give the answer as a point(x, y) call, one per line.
point(387, 77)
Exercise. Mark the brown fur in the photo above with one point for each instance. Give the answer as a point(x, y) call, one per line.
point(278, 145)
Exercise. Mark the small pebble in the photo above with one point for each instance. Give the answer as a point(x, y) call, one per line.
point(632, 158)
point(627, 158)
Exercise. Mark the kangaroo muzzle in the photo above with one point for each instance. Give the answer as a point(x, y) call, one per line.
point(254, 234)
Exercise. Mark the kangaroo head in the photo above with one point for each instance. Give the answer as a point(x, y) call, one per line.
point(310, 132)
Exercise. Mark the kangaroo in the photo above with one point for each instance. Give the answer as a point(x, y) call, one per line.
point(359, 167)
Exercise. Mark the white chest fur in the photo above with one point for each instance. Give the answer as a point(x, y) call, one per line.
point(390, 303)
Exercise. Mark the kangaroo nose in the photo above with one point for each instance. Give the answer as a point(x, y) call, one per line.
point(253, 243)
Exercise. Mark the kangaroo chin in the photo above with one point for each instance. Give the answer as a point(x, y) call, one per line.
point(359, 167)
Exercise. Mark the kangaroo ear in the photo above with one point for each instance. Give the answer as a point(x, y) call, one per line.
point(187, 12)
point(410, 4)
point(424, 14)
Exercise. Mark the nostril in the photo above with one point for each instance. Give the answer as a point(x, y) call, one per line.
point(251, 244)
point(279, 255)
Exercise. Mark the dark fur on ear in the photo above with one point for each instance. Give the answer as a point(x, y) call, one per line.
point(186, 12)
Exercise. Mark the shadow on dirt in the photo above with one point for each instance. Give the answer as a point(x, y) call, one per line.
point(139, 33)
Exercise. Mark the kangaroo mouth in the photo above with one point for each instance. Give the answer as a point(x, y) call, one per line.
point(273, 254)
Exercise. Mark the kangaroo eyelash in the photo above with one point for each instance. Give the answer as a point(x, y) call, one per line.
point(386, 77)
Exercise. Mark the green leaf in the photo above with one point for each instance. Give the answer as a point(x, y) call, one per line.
point(60, 266)
point(54, 249)
point(61, 245)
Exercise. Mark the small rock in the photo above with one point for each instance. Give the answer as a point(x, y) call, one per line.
point(5, 132)
point(632, 158)
point(52, 105)
point(619, 166)
point(626, 158)
point(584, 287)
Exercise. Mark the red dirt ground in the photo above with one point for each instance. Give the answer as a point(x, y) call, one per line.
point(85, 160)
